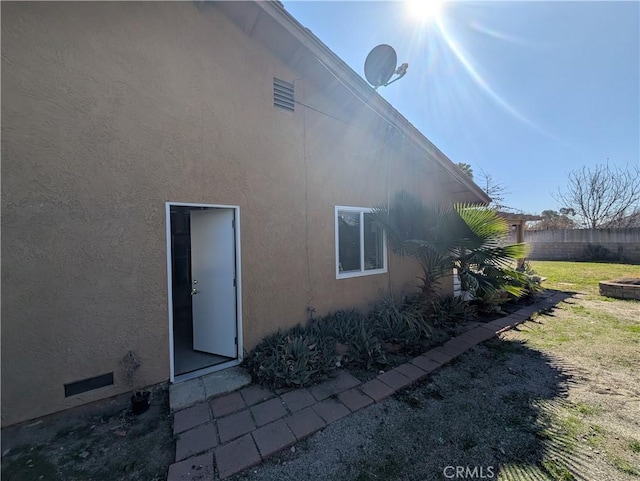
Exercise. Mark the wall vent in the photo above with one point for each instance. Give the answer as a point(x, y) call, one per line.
point(90, 384)
point(283, 95)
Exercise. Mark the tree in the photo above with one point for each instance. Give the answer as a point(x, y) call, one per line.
point(486, 182)
point(465, 168)
point(603, 196)
point(493, 189)
point(631, 220)
point(555, 220)
point(465, 237)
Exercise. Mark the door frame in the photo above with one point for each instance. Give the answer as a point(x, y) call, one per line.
point(218, 367)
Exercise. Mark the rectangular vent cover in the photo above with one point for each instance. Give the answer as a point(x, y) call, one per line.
point(90, 384)
point(283, 94)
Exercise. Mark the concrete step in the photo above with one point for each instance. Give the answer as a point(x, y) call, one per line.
point(193, 391)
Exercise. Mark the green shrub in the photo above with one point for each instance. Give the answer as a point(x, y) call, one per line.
point(340, 326)
point(293, 358)
point(489, 303)
point(365, 348)
point(451, 309)
point(401, 323)
point(532, 286)
point(351, 328)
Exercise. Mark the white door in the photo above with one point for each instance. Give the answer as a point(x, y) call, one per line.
point(213, 291)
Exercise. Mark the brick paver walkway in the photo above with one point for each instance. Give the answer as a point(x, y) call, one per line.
point(233, 432)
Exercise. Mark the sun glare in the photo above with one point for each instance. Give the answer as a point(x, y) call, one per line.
point(424, 10)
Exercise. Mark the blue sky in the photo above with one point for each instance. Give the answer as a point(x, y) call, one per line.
point(526, 91)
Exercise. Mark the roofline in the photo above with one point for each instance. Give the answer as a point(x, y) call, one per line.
point(365, 93)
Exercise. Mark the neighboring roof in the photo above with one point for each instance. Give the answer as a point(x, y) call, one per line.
point(515, 217)
point(248, 17)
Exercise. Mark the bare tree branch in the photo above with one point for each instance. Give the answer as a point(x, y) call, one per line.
point(495, 190)
point(603, 196)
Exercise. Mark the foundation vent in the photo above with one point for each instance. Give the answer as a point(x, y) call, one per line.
point(78, 387)
point(283, 95)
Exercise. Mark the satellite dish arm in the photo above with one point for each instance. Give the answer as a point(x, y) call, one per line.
point(401, 72)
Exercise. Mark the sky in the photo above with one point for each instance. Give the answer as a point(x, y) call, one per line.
point(524, 91)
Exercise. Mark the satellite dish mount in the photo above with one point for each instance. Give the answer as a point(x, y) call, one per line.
point(380, 66)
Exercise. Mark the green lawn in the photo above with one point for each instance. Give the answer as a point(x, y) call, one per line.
point(581, 276)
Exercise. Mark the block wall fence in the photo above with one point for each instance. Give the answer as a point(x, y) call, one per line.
point(577, 244)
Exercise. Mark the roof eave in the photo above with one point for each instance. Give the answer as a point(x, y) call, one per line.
point(361, 89)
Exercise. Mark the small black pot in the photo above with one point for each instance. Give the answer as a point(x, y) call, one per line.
point(140, 402)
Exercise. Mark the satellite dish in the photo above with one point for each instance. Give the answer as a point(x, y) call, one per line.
point(380, 65)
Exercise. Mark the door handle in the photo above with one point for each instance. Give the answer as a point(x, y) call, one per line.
point(194, 291)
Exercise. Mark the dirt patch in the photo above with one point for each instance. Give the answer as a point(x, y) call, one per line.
point(101, 444)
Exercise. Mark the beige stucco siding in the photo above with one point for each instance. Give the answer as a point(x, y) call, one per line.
point(111, 109)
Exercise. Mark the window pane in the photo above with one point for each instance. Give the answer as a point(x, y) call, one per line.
point(373, 239)
point(349, 241)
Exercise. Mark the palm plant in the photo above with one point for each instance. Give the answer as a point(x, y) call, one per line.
point(465, 237)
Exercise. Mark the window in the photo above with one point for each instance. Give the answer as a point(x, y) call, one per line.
point(360, 243)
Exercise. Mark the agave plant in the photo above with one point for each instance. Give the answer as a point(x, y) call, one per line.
point(399, 322)
point(465, 237)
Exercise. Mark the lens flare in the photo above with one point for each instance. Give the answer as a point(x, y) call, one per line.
point(480, 81)
point(424, 10)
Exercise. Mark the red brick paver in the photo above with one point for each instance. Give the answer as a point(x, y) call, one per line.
point(438, 356)
point(503, 322)
point(341, 383)
point(304, 423)
point(330, 410)
point(454, 347)
point(191, 417)
point(410, 371)
point(376, 390)
point(322, 391)
point(298, 399)
point(354, 399)
point(231, 427)
point(394, 379)
point(476, 336)
point(345, 381)
point(203, 438)
point(236, 456)
point(198, 468)
point(268, 411)
point(526, 311)
point(273, 437)
point(424, 363)
point(490, 329)
point(254, 394)
point(227, 404)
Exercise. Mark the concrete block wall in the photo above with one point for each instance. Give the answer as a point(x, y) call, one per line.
point(573, 244)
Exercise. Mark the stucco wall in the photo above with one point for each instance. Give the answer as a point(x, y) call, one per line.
point(111, 109)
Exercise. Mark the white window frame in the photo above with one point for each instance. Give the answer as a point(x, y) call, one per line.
point(362, 271)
